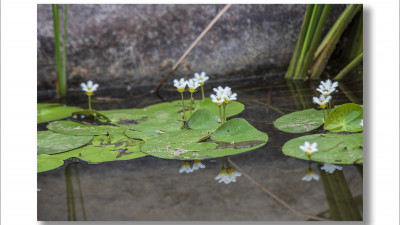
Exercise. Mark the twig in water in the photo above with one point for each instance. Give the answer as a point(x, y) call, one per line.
point(191, 47)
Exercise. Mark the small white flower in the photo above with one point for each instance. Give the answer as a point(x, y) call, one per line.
point(218, 99)
point(222, 91)
point(327, 87)
point(193, 84)
point(308, 148)
point(322, 100)
point(197, 165)
point(330, 168)
point(310, 175)
point(185, 167)
point(201, 78)
point(229, 96)
point(223, 176)
point(180, 84)
point(232, 174)
point(89, 88)
point(361, 123)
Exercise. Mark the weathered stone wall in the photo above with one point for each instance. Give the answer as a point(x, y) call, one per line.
point(138, 44)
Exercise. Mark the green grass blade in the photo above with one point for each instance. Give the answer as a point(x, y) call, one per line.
point(299, 44)
point(56, 25)
point(316, 39)
point(349, 67)
point(323, 58)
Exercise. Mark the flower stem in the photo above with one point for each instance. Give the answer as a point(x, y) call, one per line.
point(224, 112)
point(191, 97)
point(323, 111)
point(90, 105)
point(183, 108)
point(202, 91)
point(220, 115)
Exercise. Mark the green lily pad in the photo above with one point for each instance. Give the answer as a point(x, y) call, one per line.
point(332, 148)
point(74, 128)
point(346, 117)
point(203, 119)
point(106, 148)
point(50, 112)
point(300, 121)
point(233, 137)
point(48, 162)
point(49, 142)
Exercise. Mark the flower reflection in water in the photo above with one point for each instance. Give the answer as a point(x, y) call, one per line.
point(226, 173)
point(310, 175)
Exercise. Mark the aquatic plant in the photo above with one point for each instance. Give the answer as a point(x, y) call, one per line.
point(185, 168)
point(227, 174)
point(310, 175)
point(192, 85)
point(310, 55)
point(201, 78)
point(330, 168)
point(308, 148)
point(197, 164)
point(180, 87)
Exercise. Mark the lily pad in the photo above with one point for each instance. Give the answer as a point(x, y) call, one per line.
point(300, 121)
point(49, 142)
point(235, 136)
point(332, 148)
point(203, 119)
point(106, 148)
point(52, 111)
point(48, 162)
point(346, 117)
point(74, 128)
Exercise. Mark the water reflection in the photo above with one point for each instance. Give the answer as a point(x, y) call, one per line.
point(342, 205)
point(71, 206)
point(310, 175)
point(227, 174)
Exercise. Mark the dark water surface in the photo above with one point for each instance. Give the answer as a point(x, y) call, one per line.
point(149, 188)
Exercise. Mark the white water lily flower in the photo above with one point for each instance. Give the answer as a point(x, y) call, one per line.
point(218, 99)
point(232, 174)
point(223, 176)
point(327, 87)
point(180, 84)
point(322, 100)
point(229, 96)
point(310, 176)
point(308, 148)
point(361, 123)
point(197, 165)
point(222, 91)
point(330, 168)
point(201, 78)
point(89, 88)
point(193, 84)
point(185, 167)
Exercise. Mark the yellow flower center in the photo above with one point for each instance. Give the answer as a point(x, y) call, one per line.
point(181, 89)
point(323, 105)
point(192, 90)
point(185, 164)
point(89, 93)
point(308, 153)
point(309, 172)
point(227, 101)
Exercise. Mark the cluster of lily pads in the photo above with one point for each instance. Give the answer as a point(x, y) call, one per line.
point(163, 130)
point(339, 142)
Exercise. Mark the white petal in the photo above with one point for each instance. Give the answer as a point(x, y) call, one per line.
point(95, 86)
point(90, 83)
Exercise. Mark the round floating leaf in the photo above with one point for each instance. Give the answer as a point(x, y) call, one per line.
point(49, 142)
point(48, 162)
point(346, 117)
point(50, 112)
point(238, 130)
point(171, 145)
point(203, 119)
point(107, 148)
point(332, 148)
point(74, 128)
point(233, 108)
point(235, 136)
point(147, 129)
point(300, 121)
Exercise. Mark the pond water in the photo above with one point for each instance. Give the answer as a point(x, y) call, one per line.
point(149, 188)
